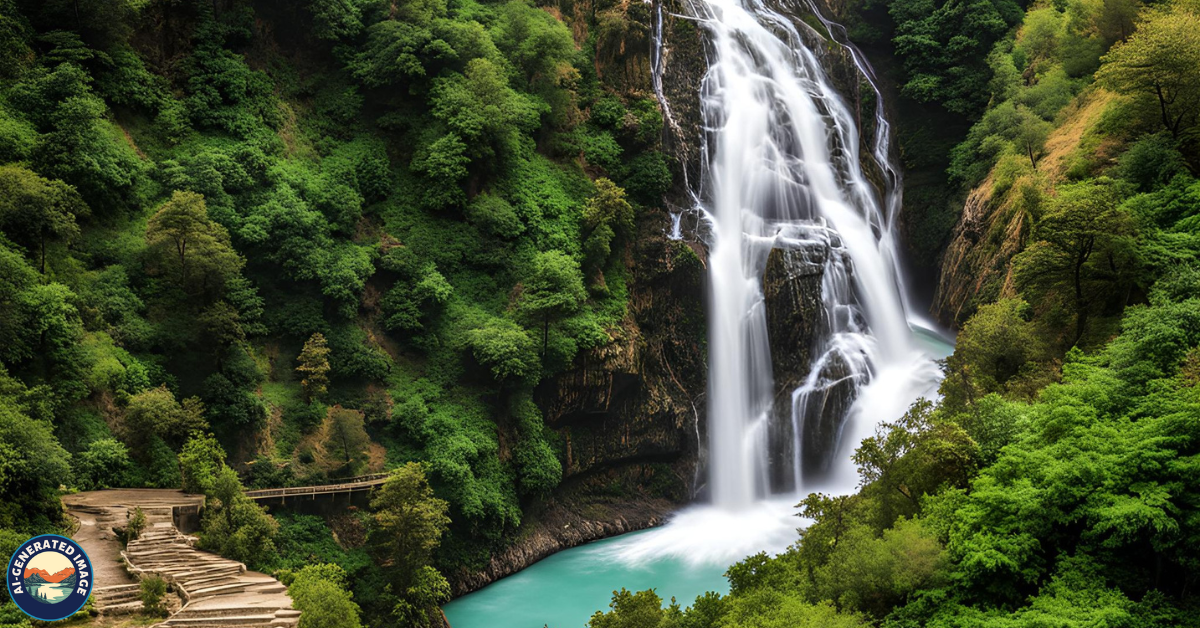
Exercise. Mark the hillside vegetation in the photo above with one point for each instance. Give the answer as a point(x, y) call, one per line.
point(306, 241)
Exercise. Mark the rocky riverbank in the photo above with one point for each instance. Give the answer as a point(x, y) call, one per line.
point(562, 526)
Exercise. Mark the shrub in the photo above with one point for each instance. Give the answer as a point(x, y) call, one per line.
point(154, 592)
point(134, 526)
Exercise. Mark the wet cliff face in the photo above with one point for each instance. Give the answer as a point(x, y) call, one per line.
point(792, 291)
point(637, 402)
point(630, 414)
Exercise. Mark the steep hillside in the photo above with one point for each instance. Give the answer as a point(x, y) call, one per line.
point(264, 243)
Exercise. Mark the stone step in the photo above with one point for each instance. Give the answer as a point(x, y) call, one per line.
point(117, 587)
point(124, 608)
point(117, 597)
point(204, 583)
point(201, 571)
point(176, 556)
point(204, 574)
point(181, 566)
point(171, 552)
point(139, 546)
point(191, 611)
point(267, 588)
point(151, 538)
point(165, 550)
point(220, 589)
point(153, 534)
point(209, 571)
point(186, 563)
point(287, 612)
point(227, 620)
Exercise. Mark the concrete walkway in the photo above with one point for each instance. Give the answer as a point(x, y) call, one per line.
point(217, 592)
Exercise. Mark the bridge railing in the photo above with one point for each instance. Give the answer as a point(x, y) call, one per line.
point(359, 483)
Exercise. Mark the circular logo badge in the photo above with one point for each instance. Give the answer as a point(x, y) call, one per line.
point(49, 577)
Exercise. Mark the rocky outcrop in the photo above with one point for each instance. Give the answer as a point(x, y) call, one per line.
point(561, 524)
point(816, 404)
point(681, 69)
point(976, 267)
point(637, 401)
point(825, 408)
point(792, 295)
point(792, 291)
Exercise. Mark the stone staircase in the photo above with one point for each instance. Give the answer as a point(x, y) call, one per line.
point(216, 592)
point(119, 599)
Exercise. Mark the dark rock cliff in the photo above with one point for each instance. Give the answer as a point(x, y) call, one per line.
point(637, 401)
point(629, 415)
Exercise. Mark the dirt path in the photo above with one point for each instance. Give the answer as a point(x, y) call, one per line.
point(96, 537)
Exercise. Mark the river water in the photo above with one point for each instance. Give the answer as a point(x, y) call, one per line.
point(565, 589)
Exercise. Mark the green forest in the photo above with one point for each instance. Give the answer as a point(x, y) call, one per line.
point(251, 244)
point(310, 241)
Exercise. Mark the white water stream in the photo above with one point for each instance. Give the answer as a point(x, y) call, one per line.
point(781, 170)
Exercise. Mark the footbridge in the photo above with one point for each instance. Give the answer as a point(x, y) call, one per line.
point(346, 486)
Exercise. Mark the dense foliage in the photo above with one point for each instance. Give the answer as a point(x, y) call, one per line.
point(251, 242)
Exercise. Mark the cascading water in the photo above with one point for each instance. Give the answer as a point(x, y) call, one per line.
point(781, 172)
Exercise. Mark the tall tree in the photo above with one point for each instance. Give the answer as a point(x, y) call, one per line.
point(199, 462)
point(190, 246)
point(233, 525)
point(314, 367)
point(156, 414)
point(406, 528)
point(554, 290)
point(1084, 223)
point(1031, 134)
point(34, 210)
point(1161, 61)
point(607, 216)
point(346, 439)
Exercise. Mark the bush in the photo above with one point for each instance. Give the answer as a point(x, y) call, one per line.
point(104, 464)
point(134, 526)
point(495, 215)
point(154, 591)
point(1151, 162)
point(319, 592)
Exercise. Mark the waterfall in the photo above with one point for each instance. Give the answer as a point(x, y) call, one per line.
point(781, 170)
